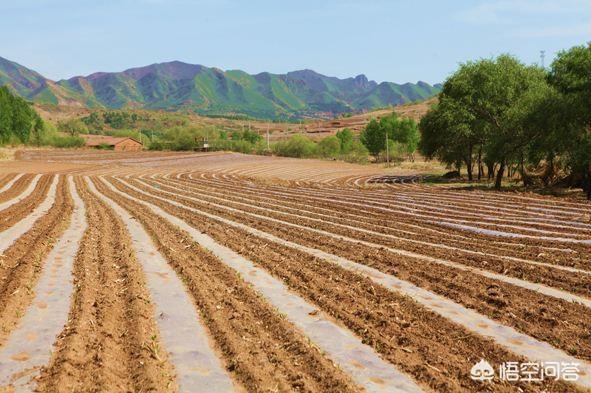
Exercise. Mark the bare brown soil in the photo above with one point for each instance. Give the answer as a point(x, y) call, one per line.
point(574, 282)
point(15, 189)
point(387, 223)
point(262, 349)
point(6, 178)
point(14, 213)
point(416, 340)
point(21, 263)
point(561, 323)
point(111, 342)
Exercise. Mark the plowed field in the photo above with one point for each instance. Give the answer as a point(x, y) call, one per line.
point(221, 272)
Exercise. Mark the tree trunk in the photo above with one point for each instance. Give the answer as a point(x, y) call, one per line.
point(549, 171)
point(469, 170)
point(490, 170)
point(480, 169)
point(524, 176)
point(499, 178)
point(469, 165)
point(587, 184)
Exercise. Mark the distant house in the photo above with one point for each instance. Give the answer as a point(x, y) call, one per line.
point(115, 143)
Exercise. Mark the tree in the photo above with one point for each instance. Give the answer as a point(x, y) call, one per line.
point(485, 105)
point(72, 127)
point(17, 118)
point(298, 146)
point(93, 121)
point(444, 135)
point(571, 76)
point(403, 131)
point(346, 140)
point(373, 137)
point(329, 147)
point(251, 136)
point(6, 109)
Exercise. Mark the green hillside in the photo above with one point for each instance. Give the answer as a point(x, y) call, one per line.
point(211, 91)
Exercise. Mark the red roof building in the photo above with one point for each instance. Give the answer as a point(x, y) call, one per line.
point(116, 143)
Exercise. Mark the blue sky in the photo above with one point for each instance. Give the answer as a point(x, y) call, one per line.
point(398, 41)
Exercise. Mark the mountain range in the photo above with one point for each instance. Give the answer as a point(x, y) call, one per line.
point(210, 91)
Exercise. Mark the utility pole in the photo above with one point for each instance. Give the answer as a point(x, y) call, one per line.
point(542, 58)
point(387, 151)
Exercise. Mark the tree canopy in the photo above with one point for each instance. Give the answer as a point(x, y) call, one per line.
point(18, 120)
point(505, 114)
point(404, 132)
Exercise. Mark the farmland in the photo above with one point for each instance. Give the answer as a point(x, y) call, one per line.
point(171, 271)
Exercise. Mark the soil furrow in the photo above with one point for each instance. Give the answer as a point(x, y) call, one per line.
point(14, 187)
point(11, 215)
point(30, 345)
point(110, 342)
point(260, 347)
point(371, 198)
point(22, 262)
point(31, 186)
point(348, 237)
point(388, 215)
point(575, 281)
point(328, 212)
point(417, 339)
point(6, 180)
point(182, 333)
point(564, 325)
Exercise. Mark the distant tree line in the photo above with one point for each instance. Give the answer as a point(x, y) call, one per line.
point(19, 123)
point(509, 118)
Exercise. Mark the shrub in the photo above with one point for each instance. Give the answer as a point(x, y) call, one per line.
point(298, 146)
point(68, 141)
point(329, 147)
point(358, 153)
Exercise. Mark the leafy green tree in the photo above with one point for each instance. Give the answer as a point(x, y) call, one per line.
point(329, 147)
point(298, 146)
point(93, 121)
point(72, 127)
point(486, 105)
point(251, 136)
point(346, 140)
point(6, 110)
point(571, 76)
point(373, 137)
point(403, 131)
point(18, 119)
